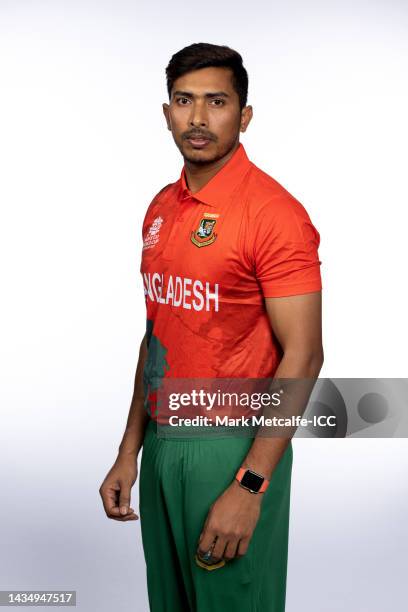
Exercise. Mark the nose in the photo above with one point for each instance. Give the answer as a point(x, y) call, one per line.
point(199, 117)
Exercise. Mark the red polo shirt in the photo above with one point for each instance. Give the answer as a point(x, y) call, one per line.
point(208, 261)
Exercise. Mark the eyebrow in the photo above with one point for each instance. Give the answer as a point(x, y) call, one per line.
point(215, 94)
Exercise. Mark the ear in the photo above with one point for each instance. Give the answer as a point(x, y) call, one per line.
point(246, 116)
point(166, 112)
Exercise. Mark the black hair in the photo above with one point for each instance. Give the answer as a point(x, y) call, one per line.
point(205, 55)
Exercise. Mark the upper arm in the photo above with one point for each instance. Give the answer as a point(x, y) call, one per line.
point(296, 321)
point(286, 261)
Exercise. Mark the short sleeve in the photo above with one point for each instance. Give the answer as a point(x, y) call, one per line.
point(284, 249)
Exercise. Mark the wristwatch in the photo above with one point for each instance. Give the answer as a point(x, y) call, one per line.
point(250, 480)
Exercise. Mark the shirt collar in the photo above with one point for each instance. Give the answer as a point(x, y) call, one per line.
point(221, 186)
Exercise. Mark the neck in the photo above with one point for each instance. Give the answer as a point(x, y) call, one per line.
point(198, 175)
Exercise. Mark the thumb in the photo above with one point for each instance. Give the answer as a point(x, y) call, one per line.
point(124, 500)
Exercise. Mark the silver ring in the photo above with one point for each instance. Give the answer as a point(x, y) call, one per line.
point(208, 555)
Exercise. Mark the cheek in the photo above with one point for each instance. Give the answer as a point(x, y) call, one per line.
point(179, 118)
point(225, 122)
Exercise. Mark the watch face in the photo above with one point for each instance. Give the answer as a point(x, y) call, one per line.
point(252, 481)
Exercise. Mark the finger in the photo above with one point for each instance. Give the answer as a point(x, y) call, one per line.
point(112, 508)
point(128, 517)
point(206, 542)
point(124, 498)
point(129, 512)
point(219, 548)
point(231, 549)
point(115, 512)
point(242, 547)
point(109, 495)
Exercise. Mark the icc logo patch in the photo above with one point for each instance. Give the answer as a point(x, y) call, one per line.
point(205, 234)
point(153, 235)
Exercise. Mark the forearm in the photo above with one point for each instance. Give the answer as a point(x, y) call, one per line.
point(132, 440)
point(265, 452)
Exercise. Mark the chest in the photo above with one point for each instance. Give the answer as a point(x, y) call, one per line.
point(195, 241)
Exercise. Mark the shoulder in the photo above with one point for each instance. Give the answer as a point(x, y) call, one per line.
point(274, 212)
point(159, 201)
point(164, 193)
point(269, 198)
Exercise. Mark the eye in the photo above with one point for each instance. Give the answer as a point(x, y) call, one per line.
point(182, 100)
point(218, 102)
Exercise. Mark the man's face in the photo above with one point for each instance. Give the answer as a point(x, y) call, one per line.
point(204, 115)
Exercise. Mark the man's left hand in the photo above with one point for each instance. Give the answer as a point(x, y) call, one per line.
point(232, 519)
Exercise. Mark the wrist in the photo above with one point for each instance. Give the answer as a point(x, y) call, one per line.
point(127, 454)
point(255, 466)
point(127, 449)
point(245, 493)
point(131, 443)
point(253, 482)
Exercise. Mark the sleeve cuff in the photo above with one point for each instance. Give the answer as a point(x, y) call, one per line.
point(271, 289)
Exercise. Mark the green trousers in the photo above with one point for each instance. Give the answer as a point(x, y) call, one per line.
point(179, 480)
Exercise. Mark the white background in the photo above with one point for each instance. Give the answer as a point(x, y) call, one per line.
point(83, 149)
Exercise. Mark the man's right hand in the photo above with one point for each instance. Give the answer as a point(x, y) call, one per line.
point(115, 489)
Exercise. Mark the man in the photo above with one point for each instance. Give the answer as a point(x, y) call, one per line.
point(233, 290)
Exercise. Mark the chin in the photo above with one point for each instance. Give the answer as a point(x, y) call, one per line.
point(198, 155)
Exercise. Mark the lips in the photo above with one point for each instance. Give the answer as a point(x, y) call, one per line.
point(198, 141)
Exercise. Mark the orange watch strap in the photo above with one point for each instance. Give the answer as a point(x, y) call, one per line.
point(239, 475)
point(264, 486)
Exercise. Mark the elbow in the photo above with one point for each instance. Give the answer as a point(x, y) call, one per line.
point(315, 361)
point(319, 360)
point(308, 363)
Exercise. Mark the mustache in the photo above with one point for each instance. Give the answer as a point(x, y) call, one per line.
point(196, 134)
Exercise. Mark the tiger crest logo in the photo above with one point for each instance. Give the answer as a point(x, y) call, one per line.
point(204, 235)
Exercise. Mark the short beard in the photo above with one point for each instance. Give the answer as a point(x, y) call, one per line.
point(206, 162)
point(201, 162)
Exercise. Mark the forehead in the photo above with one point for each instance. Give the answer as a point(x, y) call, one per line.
point(206, 80)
